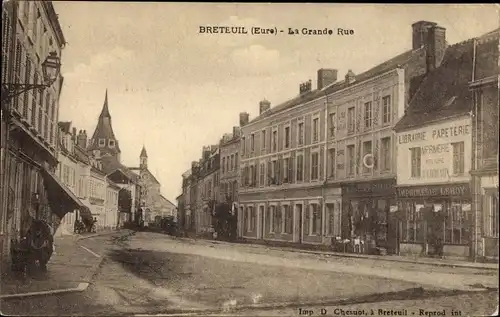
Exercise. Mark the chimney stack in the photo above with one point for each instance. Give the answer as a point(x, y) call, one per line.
point(326, 77)
point(205, 152)
point(350, 77)
point(264, 106)
point(244, 118)
point(236, 131)
point(81, 139)
point(436, 47)
point(420, 31)
point(73, 135)
point(305, 87)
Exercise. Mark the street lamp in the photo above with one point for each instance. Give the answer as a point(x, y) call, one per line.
point(50, 68)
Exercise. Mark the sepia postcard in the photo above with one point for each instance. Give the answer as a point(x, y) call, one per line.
point(249, 159)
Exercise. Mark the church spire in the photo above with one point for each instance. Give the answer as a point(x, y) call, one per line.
point(143, 152)
point(105, 110)
point(143, 158)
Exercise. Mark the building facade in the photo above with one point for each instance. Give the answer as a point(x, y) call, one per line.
point(435, 160)
point(184, 202)
point(207, 189)
point(321, 166)
point(111, 206)
point(30, 31)
point(97, 193)
point(229, 166)
point(485, 87)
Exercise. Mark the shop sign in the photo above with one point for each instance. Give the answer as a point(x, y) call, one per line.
point(462, 190)
point(386, 187)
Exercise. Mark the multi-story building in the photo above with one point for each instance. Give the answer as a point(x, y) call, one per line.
point(229, 147)
point(72, 171)
point(111, 206)
point(317, 166)
point(97, 192)
point(207, 189)
point(485, 87)
point(184, 201)
point(30, 32)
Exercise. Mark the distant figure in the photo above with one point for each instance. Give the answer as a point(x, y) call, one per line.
point(52, 232)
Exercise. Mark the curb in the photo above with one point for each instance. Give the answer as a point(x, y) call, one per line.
point(80, 288)
point(80, 237)
point(346, 255)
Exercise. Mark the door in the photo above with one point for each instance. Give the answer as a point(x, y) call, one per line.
point(300, 223)
point(260, 234)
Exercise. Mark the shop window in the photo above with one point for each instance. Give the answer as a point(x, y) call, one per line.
point(458, 223)
point(413, 227)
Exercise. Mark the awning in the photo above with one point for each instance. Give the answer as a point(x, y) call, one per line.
point(61, 199)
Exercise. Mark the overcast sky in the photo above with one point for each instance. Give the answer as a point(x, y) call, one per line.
point(175, 90)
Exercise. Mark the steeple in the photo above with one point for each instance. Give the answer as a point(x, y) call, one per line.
point(143, 158)
point(105, 110)
point(103, 139)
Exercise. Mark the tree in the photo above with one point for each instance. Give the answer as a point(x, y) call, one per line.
point(124, 200)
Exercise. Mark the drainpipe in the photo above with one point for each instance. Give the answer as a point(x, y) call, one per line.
point(474, 198)
point(325, 156)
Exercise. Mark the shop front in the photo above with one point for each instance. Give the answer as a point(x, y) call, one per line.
point(435, 220)
point(366, 218)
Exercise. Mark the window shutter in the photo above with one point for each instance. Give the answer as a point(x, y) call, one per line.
point(321, 162)
point(278, 171)
point(269, 169)
point(307, 220)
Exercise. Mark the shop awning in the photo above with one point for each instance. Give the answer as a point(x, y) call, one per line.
point(61, 199)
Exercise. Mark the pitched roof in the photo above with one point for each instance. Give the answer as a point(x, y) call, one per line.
point(112, 184)
point(397, 61)
point(81, 155)
point(104, 130)
point(163, 197)
point(137, 171)
point(487, 55)
point(444, 93)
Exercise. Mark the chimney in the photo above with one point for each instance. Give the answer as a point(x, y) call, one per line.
point(73, 135)
point(205, 152)
point(236, 131)
point(81, 139)
point(420, 30)
point(264, 105)
point(436, 46)
point(326, 77)
point(244, 118)
point(305, 87)
point(350, 77)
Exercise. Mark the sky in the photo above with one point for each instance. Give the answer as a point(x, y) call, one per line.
point(175, 90)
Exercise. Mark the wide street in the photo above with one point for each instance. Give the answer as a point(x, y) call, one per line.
point(149, 273)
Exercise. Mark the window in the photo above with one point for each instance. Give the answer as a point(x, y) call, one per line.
point(334, 219)
point(350, 120)
point(270, 218)
point(252, 142)
point(254, 175)
point(34, 101)
point(102, 142)
point(232, 165)
point(287, 137)
point(331, 163)
point(458, 224)
point(386, 110)
point(243, 146)
point(263, 139)
point(288, 217)
point(289, 172)
point(250, 219)
point(111, 143)
point(416, 156)
point(286, 167)
point(275, 140)
point(333, 124)
point(368, 114)
point(367, 149)
point(314, 166)
point(350, 159)
point(315, 129)
point(490, 206)
point(300, 168)
point(223, 164)
point(413, 227)
point(66, 174)
point(277, 225)
point(236, 161)
point(262, 177)
point(386, 154)
point(300, 132)
point(315, 219)
point(274, 173)
point(458, 158)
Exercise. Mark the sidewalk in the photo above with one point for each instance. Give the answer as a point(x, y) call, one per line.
point(70, 269)
point(392, 258)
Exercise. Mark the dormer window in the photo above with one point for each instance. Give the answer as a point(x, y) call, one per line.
point(102, 142)
point(111, 143)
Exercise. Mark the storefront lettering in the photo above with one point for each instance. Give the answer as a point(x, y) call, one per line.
point(412, 137)
point(452, 131)
point(436, 149)
point(369, 187)
point(435, 173)
point(429, 191)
